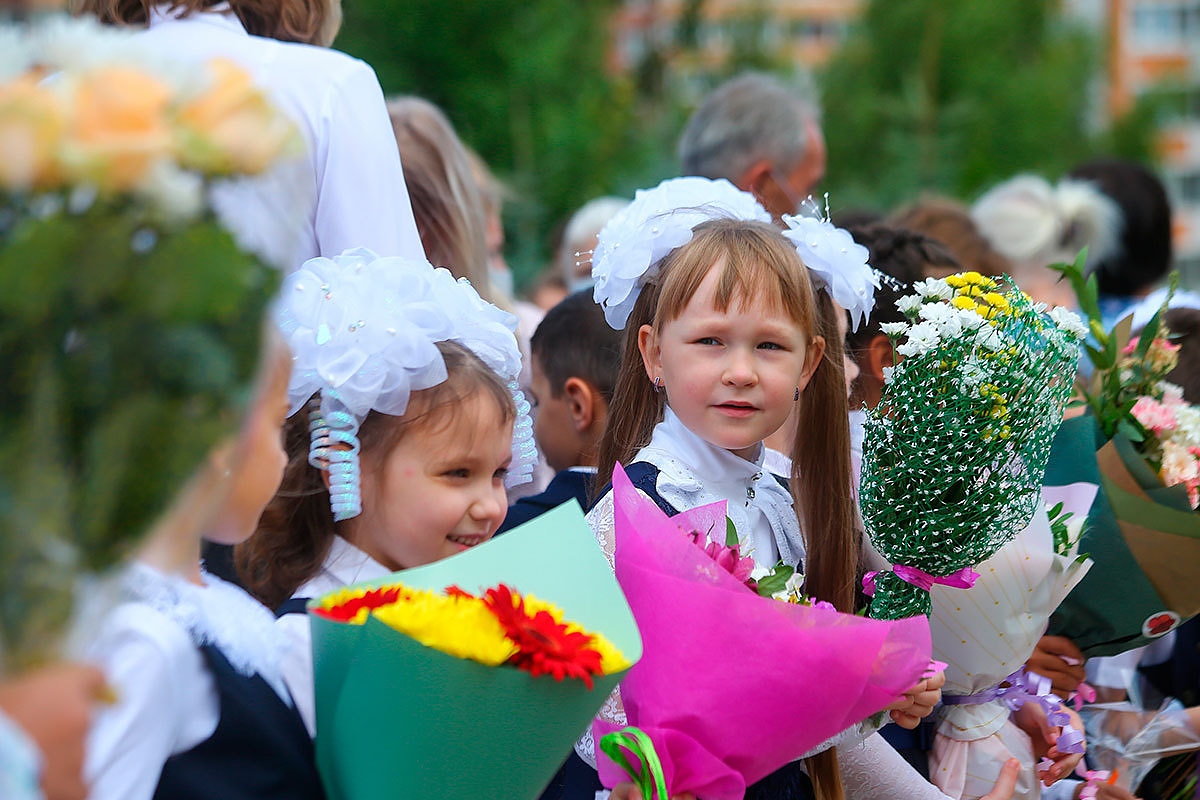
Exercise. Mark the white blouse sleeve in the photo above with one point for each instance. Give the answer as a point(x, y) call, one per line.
point(296, 664)
point(362, 200)
point(166, 703)
point(20, 763)
point(873, 770)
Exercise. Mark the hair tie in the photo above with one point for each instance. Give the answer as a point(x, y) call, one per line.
point(363, 332)
point(837, 263)
point(631, 247)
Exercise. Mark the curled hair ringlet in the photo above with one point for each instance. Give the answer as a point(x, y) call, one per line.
point(297, 528)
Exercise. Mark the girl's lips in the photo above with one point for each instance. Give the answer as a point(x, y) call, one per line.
point(736, 409)
point(466, 541)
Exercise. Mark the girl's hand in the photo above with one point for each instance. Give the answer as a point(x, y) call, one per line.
point(1006, 784)
point(1031, 718)
point(1057, 658)
point(918, 702)
point(629, 791)
point(53, 705)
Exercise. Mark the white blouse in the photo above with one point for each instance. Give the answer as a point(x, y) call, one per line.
point(348, 189)
point(167, 700)
point(344, 566)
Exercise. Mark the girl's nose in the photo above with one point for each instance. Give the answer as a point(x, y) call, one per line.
point(740, 370)
point(490, 505)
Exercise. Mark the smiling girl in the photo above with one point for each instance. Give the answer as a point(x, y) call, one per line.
point(397, 462)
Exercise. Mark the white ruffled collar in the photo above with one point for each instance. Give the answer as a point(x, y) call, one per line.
point(694, 472)
point(709, 465)
point(217, 613)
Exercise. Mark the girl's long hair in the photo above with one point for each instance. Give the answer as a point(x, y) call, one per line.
point(297, 528)
point(301, 21)
point(758, 262)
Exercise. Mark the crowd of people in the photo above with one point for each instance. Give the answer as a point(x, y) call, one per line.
point(704, 356)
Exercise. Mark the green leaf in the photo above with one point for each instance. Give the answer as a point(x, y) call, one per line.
point(1130, 430)
point(731, 536)
point(776, 580)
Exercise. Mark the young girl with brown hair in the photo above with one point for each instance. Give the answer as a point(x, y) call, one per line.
point(730, 325)
point(401, 442)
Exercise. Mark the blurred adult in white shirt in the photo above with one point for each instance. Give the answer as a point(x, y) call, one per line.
point(347, 189)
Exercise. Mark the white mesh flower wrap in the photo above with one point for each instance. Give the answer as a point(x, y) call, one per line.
point(634, 242)
point(363, 330)
point(836, 262)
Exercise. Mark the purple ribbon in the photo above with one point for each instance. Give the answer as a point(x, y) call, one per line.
point(1024, 687)
point(962, 579)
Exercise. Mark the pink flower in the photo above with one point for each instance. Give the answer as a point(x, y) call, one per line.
point(728, 558)
point(1153, 415)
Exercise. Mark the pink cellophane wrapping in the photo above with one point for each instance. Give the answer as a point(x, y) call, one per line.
point(733, 686)
point(986, 633)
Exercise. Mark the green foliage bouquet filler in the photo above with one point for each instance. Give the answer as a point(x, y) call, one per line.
point(955, 451)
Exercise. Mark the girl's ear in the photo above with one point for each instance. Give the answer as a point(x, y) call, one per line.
point(879, 355)
point(651, 351)
point(813, 354)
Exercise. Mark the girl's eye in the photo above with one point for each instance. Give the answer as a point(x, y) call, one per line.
point(708, 340)
point(771, 346)
point(500, 474)
point(462, 473)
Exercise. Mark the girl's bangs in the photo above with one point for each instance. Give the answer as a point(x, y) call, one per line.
point(759, 268)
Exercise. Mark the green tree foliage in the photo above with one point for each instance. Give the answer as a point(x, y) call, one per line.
point(526, 83)
point(954, 95)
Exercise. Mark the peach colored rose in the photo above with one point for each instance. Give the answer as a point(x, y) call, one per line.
point(231, 127)
point(119, 128)
point(32, 121)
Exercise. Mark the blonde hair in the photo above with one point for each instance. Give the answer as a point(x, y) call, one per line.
point(759, 263)
point(447, 198)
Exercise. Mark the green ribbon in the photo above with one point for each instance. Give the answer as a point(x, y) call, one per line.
point(649, 779)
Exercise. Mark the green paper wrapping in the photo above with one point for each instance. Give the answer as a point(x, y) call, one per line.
point(397, 718)
point(1145, 548)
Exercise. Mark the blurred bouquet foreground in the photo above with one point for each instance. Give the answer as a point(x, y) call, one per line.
point(1139, 440)
point(129, 321)
point(473, 676)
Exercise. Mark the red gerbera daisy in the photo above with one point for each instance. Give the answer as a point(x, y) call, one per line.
point(545, 645)
point(370, 600)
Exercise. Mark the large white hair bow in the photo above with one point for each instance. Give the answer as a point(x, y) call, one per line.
point(631, 246)
point(363, 333)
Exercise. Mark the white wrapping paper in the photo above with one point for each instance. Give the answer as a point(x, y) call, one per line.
point(986, 633)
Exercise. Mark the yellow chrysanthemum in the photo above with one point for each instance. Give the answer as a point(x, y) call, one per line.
point(457, 625)
point(957, 281)
point(965, 303)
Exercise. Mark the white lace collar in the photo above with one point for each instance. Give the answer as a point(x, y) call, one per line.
point(693, 472)
point(708, 464)
point(217, 613)
point(347, 565)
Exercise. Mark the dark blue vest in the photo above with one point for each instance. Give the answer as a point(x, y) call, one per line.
point(259, 751)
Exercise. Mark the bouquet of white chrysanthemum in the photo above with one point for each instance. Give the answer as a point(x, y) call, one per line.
point(954, 451)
